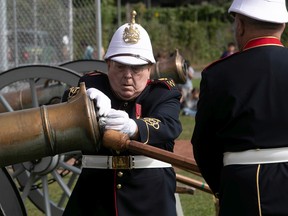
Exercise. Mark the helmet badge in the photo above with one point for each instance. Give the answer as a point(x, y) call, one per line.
point(131, 34)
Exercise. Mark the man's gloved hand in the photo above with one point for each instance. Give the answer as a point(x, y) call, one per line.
point(120, 121)
point(103, 103)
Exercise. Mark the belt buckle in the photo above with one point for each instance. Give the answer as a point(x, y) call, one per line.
point(121, 162)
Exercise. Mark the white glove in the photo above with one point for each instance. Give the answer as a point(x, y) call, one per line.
point(120, 121)
point(103, 103)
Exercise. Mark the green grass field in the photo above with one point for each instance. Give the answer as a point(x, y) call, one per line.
point(200, 203)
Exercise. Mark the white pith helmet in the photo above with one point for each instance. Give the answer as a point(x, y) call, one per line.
point(273, 11)
point(130, 45)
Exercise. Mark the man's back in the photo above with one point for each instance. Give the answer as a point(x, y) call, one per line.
point(240, 140)
point(253, 85)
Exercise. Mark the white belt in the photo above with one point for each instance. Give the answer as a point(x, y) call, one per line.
point(121, 162)
point(256, 156)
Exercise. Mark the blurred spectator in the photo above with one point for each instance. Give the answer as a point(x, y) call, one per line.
point(231, 48)
point(88, 50)
point(190, 104)
point(95, 54)
point(187, 87)
point(65, 48)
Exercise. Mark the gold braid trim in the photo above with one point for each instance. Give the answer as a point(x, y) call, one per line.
point(152, 122)
point(72, 92)
point(258, 189)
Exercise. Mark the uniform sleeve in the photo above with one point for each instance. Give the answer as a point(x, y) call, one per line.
point(160, 125)
point(207, 152)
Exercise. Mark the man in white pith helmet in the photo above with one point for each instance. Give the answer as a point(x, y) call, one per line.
point(120, 183)
point(240, 138)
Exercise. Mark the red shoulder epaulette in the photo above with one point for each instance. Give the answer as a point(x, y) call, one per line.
point(168, 82)
point(220, 60)
point(93, 73)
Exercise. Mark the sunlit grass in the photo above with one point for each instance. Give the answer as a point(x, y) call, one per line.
point(200, 203)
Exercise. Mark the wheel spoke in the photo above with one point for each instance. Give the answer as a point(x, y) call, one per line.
point(70, 184)
point(70, 167)
point(46, 195)
point(33, 93)
point(18, 172)
point(5, 103)
point(62, 184)
point(28, 186)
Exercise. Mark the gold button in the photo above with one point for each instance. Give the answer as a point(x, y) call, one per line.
point(120, 174)
point(119, 186)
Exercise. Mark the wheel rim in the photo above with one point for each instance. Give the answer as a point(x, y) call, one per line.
point(35, 178)
point(84, 66)
point(10, 200)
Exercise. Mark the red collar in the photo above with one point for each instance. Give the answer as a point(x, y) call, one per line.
point(263, 41)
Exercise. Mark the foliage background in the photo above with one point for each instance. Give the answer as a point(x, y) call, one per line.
point(200, 31)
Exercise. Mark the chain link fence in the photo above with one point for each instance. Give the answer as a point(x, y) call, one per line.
point(44, 32)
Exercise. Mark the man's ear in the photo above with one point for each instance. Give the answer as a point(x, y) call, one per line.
point(108, 62)
point(241, 26)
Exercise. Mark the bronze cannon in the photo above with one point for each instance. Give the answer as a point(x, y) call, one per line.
point(37, 132)
point(45, 136)
point(173, 67)
point(40, 131)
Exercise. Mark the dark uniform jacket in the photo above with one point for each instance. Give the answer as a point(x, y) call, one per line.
point(244, 105)
point(133, 192)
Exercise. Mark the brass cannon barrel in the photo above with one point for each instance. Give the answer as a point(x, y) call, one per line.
point(173, 67)
point(49, 130)
point(55, 129)
point(22, 99)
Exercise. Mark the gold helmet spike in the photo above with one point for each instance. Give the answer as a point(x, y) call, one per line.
point(134, 13)
point(131, 34)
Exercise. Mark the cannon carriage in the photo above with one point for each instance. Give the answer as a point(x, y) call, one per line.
point(26, 90)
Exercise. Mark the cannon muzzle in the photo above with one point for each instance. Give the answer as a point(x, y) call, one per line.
point(49, 130)
point(173, 67)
